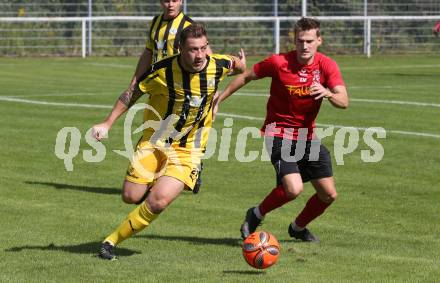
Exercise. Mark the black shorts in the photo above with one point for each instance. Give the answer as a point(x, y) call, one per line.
point(299, 157)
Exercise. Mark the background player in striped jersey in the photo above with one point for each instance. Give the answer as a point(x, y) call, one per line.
point(301, 79)
point(163, 36)
point(181, 89)
point(162, 41)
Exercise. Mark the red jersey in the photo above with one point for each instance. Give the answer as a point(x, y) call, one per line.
point(290, 105)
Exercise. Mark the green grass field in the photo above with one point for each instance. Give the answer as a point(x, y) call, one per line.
point(384, 227)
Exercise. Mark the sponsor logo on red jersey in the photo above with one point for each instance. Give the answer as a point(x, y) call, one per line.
point(298, 90)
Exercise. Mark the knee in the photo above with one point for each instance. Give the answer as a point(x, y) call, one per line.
point(328, 197)
point(292, 192)
point(133, 193)
point(129, 198)
point(133, 196)
point(333, 196)
point(157, 206)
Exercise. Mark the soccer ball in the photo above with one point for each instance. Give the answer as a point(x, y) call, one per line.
point(261, 249)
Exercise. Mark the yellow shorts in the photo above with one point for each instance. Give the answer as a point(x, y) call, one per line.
point(152, 161)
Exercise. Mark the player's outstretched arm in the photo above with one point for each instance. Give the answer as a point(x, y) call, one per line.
point(337, 96)
point(125, 101)
point(240, 81)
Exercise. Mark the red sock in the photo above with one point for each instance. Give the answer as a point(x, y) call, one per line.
point(313, 209)
point(275, 199)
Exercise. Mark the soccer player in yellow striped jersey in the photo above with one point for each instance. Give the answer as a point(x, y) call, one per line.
point(163, 36)
point(162, 41)
point(181, 91)
point(164, 33)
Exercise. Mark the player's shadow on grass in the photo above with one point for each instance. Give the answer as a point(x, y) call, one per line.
point(86, 248)
point(233, 242)
point(96, 190)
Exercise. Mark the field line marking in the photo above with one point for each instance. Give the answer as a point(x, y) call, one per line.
point(10, 99)
point(424, 66)
point(56, 94)
point(392, 87)
point(407, 133)
point(240, 116)
point(415, 103)
point(109, 65)
point(336, 126)
point(396, 102)
point(256, 94)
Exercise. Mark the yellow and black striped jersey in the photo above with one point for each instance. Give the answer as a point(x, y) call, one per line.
point(181, 101)
point(163, 39)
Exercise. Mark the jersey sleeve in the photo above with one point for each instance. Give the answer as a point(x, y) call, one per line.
point(225, 62)
point(266, 68)
point(155, 75)
point(188, 22)
point(150, 44)
point(147, 80)
point(146, 85)
point(332, 74)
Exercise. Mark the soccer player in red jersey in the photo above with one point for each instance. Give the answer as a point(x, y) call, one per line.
point(301, 80)
point(436, 28)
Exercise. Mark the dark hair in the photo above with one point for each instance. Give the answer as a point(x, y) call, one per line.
point(196, 30)
point(305, 24)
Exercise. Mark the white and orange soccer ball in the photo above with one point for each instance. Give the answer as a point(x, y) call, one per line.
point(261, 249)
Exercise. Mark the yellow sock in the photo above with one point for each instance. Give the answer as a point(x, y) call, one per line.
point(136, 221)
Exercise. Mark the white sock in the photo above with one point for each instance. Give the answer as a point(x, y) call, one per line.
point(296, 227)
point(258, 213)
